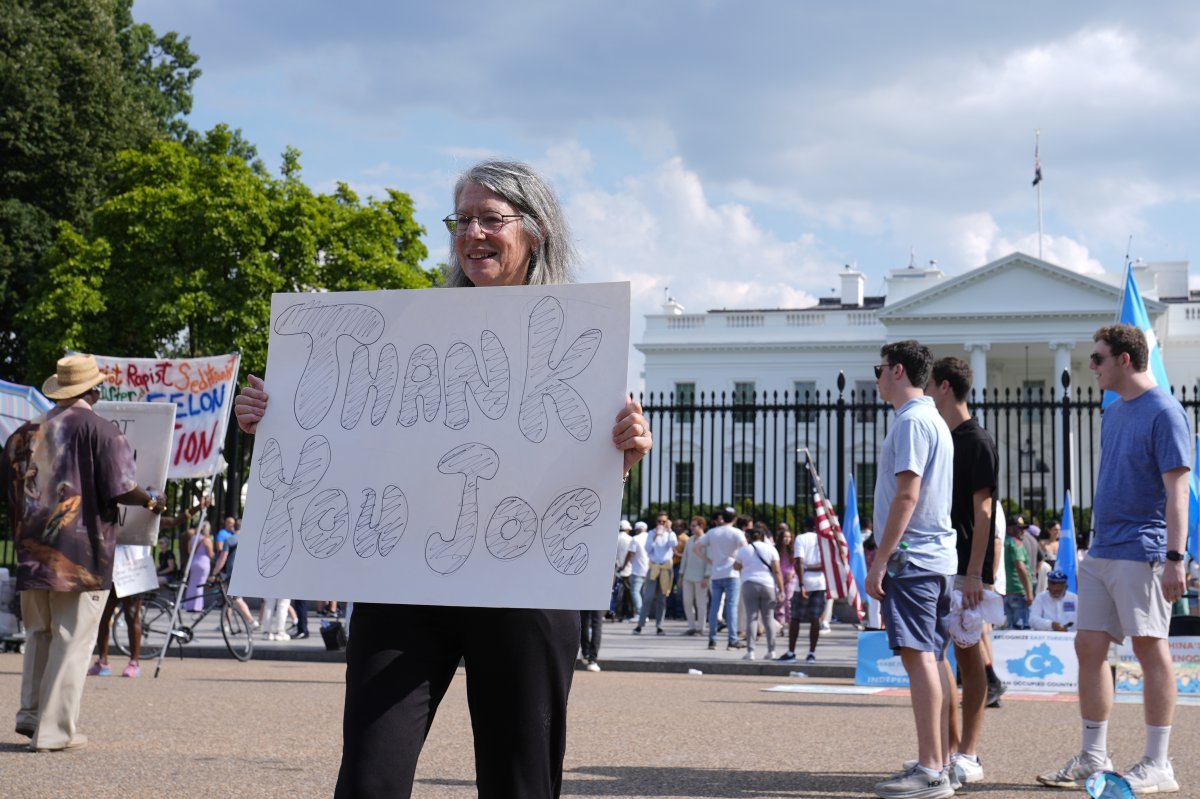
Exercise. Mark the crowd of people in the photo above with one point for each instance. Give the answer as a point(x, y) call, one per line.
point(937, 548)
point(728, 574)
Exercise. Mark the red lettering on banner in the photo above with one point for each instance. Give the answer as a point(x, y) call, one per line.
point(195, 446)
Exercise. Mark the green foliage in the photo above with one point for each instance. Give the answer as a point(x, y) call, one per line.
point(183, 257)
point(79, 82)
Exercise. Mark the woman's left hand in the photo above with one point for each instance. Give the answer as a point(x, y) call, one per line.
point(632, 434)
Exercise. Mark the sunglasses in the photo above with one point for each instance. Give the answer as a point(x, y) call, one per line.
point(879, 369)
point(1097, 359)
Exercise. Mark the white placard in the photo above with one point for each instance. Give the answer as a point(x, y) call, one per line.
point(150, 428)
point(1035, 660)
point(133, 570)
point(443, 446)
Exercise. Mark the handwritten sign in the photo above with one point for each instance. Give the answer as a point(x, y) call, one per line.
point(149, 428)
point(444, 446)
point(133, 571)
point(201, 389)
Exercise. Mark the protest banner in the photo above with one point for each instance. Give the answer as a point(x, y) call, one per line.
point(202, 391)
point(1035, 660)
point(444, 446)
point(877, 665)
point(149, 428)
point(1185, 659)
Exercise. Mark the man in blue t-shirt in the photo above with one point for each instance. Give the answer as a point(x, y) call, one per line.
point(1134, 568)
point(913, 571)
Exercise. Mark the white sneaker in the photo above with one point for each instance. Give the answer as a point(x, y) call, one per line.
point(593, 666)
point(1146, 776)
point(968, 770)
point(770, 654)
point(1076, 771)
point(914, 783)
point(748, 656)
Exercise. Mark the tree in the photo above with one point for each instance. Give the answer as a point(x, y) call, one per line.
point(79, 82)
point(184, 257)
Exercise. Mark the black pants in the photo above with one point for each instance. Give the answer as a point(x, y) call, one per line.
point(301, 607)
point(399, 664)
point(591, 629)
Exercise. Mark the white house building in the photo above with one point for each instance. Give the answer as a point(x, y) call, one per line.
point(1019, 321)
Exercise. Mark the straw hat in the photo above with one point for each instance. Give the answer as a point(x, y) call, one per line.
point(76, 374)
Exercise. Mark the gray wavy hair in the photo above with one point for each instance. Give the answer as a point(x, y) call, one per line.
point(554, 258)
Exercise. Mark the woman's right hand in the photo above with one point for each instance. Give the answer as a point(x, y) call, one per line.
point(250, 405)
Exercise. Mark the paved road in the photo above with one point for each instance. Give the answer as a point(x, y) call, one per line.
point(271, 729)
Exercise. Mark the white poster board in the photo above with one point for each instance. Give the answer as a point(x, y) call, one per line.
point(150, 428)
point(1035, 660)
point(133, 570)
point(442, 447)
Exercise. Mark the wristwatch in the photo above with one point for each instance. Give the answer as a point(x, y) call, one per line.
point(152, 503)
point(1174, 555)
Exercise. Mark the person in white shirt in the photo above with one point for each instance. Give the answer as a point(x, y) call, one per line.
point(639, 564)
point(660, 553)
point(694, 572)
point(757, 563)
point(719, 547)
point(623, 609)
point(1054, 608)
point(808, 603)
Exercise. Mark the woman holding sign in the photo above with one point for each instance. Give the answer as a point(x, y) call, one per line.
point(507, 229)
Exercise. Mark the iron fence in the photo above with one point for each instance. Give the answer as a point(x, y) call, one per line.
point(718, 449)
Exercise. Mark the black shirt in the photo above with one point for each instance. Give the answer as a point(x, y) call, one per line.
point(976, 466)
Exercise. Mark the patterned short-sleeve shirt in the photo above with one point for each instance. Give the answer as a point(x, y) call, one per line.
point(62, 474)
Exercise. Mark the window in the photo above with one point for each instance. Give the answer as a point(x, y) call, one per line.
point(743, 480)
point(806, 398)
point(864, 479)
point(684, 484)
point(685, 396)
point(743, 394)
point(1033, 393)
point(866, 397)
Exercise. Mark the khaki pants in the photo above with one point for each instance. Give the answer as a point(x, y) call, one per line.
point(60, 632)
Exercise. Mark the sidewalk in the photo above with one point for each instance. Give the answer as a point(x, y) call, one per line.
point(620, 650)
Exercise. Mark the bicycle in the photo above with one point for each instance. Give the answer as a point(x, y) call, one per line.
point(156, 624)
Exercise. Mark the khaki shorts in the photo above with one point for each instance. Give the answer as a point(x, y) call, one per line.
point(1122, 598)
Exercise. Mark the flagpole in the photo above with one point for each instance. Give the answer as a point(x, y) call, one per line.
point(1037, 136)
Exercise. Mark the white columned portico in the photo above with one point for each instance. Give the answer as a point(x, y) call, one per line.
point(977, 353)
point(1062, 361)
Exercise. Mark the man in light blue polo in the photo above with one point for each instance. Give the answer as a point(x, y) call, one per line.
point(917, 558)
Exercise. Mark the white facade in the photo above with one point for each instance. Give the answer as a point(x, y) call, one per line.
point(1019, 321)
point(1016, 319)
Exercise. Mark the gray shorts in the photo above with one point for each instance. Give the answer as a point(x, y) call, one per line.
point(1122, 597)
point(915, 609)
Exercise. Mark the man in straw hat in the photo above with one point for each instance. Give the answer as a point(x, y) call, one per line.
point(64, 474)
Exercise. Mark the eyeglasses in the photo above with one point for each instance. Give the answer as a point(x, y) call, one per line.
point(1097, 358)
point(879, 367)
point(459, 224)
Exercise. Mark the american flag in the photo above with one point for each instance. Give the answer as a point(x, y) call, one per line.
point(1037, 164)
point(835, 555)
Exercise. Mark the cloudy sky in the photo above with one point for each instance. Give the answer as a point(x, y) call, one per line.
point(738, 154)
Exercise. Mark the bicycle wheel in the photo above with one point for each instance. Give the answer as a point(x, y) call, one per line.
point(156, 622)
point(239, 636)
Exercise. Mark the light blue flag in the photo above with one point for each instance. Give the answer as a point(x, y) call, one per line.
point(1067, 560)
point(1133, 312)
point(852, 530)
point(1193, 539)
